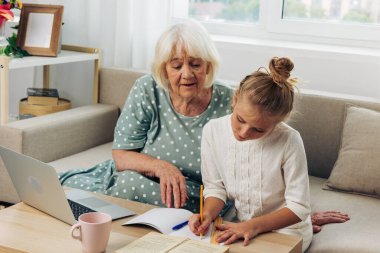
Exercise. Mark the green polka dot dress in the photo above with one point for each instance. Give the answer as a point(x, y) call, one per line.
point(150, 123)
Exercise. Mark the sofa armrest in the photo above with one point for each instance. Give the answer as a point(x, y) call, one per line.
point(51, 137)
point(54, 136)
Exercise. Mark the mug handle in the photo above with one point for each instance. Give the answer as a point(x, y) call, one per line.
point(72, 230)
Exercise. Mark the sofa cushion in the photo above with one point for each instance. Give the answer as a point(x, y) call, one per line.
point(84, 159)
point(357, 168)
point(319, 118)
point(115, 85)
point(359, 234)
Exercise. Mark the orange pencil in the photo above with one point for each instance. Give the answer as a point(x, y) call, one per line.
point(201, 206)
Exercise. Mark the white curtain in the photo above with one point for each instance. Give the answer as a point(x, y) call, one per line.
point(125, 30)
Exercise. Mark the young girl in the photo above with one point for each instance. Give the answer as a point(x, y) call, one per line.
point(253, 158)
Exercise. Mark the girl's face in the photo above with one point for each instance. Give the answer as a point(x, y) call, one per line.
point(186, 74)
point(250, 122)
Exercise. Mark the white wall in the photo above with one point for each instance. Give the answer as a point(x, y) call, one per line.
point(354, 71)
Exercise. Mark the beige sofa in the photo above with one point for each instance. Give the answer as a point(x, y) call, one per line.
point(82, 137)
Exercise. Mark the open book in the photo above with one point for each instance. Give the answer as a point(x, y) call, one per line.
point(164, 219)
point(161, 243)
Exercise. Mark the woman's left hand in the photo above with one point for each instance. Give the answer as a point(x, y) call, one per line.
point(232, 232)
point(321, 218)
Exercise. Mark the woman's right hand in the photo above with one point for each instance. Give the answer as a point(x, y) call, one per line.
point(172, 184)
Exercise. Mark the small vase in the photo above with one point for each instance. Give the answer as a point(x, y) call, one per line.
point(3, 39)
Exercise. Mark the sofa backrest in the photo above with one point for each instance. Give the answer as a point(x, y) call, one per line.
point(114, 85)
point(319, 117)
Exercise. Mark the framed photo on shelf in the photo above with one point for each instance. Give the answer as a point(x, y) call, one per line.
point(40, 29)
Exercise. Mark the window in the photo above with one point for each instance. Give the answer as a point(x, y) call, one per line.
point(348, 22)
point(334, 19)
point(232, 11)
point(334, 11)
point(222, 17)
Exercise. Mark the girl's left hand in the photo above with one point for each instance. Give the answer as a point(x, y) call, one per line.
point(232, 232)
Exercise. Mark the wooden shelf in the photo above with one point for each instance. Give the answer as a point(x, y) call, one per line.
point(68, 54)
point(65, 56)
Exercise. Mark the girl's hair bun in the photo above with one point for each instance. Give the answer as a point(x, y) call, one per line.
point(280, 69)
point(273, 90)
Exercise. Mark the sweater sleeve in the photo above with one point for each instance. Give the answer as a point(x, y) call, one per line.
point(212, 180)
point(297, 194)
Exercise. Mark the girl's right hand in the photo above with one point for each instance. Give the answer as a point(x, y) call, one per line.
point(195, 224)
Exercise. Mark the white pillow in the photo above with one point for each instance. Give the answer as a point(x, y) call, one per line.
point(357, 168)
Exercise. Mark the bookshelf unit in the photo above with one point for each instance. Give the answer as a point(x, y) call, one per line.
point(68, 54)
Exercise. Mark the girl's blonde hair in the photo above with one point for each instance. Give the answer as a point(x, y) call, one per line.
point(192, 37)
point(273, 90)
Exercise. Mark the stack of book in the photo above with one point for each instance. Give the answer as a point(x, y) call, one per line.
point(42, 96)
point(41, 101)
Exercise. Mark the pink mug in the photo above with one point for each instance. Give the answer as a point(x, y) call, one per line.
point(94, 231)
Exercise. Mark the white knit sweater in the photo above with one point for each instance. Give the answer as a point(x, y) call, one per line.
point(260, 176)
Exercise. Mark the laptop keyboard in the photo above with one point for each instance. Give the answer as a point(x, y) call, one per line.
point(78, 209)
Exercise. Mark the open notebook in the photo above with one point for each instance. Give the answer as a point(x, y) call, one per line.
point(164, 219)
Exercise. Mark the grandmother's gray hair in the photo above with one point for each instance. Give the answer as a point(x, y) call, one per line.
point(192, 37)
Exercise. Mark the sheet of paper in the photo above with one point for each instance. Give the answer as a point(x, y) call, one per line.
point(152, 242)
point(161, 243)
point(198, 247)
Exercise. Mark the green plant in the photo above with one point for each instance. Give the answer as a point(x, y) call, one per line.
point(12, 49)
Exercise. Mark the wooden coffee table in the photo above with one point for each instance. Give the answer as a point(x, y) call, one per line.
point(26, 229)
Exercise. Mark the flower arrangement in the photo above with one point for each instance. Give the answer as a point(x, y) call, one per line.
point(6, 13)
point(5, 9)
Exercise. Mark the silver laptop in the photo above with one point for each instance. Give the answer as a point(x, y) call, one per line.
point(37, 185)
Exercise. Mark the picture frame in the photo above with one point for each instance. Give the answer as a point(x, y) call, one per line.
point(40, 29)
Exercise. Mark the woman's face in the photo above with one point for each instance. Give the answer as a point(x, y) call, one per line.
point(250, 122)
point(186, 74)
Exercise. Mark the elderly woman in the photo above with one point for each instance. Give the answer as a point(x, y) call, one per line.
point(156, 147)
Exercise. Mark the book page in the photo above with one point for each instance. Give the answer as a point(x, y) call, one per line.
point(191, 246)
point(162, 219)
point(152, 242)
